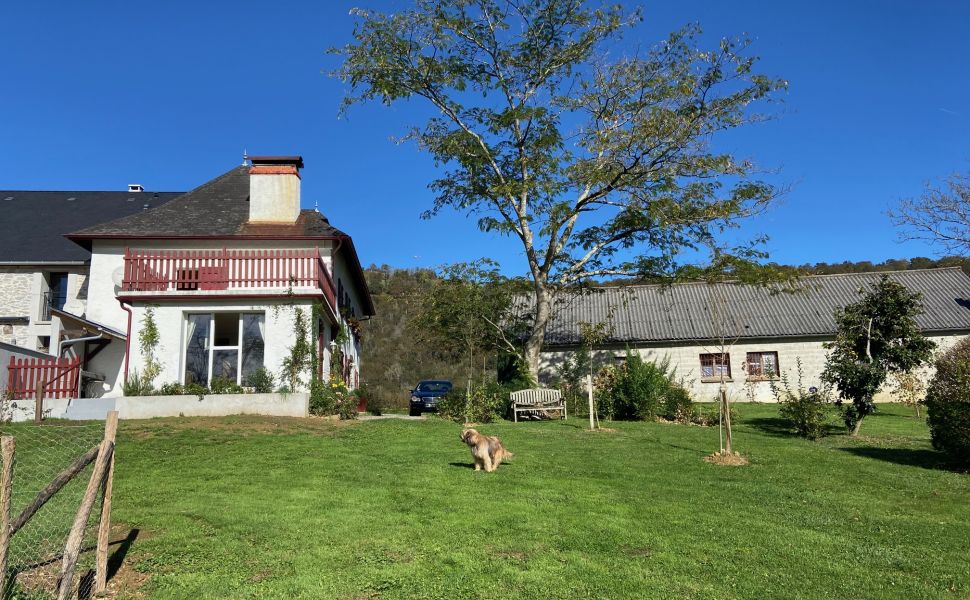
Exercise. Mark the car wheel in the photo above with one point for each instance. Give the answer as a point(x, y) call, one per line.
point(414, 412)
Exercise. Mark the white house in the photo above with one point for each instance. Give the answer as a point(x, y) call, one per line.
point(225, 269)
point(41, 270)
point(749, 335)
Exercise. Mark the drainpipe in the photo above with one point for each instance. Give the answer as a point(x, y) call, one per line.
point(127, 337)
point(62, 343)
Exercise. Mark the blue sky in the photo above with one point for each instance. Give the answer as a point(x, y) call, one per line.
point(168, 94)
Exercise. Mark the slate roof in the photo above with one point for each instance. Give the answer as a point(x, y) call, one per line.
point(33, 224)
point(681, 313)
point(217, 208)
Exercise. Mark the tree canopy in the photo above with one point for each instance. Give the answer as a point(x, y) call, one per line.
point(876, 336)
point(597, 160)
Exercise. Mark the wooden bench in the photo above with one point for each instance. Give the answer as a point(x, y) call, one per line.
point(540, 400)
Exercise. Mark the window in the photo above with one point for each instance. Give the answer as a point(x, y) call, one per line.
point(713, 366)
point(58, 286)
point(762, 365)
point(226, 345)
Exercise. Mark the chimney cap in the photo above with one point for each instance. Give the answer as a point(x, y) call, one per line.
point(296, 161)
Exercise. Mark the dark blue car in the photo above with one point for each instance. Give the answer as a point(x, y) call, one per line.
point(425, 395)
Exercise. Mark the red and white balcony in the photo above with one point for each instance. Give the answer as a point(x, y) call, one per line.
point(221, 273)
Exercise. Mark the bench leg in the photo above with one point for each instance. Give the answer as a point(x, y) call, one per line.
point(515, 415)
point(564, 412)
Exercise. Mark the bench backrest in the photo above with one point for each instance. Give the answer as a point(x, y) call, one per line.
point(536, 396)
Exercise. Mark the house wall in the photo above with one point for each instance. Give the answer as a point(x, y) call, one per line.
point(352, 348)
point(685, 359)
point(170, 320)
point(22, 292)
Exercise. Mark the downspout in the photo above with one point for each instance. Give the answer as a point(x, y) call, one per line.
point(127, 337)
point(62, 343)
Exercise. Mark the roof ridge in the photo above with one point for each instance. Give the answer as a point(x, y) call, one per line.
point(621, 286)
point(215, 180)
point(146, 192)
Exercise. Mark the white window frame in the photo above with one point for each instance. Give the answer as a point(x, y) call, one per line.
point(212, 340)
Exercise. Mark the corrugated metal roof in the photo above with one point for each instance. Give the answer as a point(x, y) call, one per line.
point(683, 312)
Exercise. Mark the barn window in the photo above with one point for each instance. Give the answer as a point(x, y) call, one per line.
point(762, 365)
point(714, 366)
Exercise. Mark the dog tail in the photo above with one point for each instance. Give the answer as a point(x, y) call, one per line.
point(507, 454)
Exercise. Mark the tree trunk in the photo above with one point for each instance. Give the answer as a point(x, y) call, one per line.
point(858, 424)
point(726, 413)
point(533, 346)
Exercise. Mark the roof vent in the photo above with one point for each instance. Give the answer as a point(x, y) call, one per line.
point(8, 198)
point(71, 199)
point(136, 187)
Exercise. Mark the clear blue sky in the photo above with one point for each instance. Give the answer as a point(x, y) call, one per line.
point(96, 95)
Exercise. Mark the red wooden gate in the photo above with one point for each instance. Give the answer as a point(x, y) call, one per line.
point(60, 374)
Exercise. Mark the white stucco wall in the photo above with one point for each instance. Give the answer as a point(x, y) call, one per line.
point(171, 323)
point(685, 358)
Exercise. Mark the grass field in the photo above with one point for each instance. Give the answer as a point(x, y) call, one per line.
point(251, 507)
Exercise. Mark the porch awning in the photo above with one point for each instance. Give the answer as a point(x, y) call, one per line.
point(86, 326)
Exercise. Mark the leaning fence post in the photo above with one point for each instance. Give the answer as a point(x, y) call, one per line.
point(7, 447)
point(73, 545)
point(104, 526)
point(39, 401)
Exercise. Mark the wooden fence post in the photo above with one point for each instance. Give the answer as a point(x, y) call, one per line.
point(8, 447)
point(73, 546)
point(39, 401)
point(104, 527)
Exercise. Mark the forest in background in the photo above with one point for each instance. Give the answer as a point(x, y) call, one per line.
point(396, 355)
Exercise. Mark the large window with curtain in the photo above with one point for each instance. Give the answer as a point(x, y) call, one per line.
point(229, 345)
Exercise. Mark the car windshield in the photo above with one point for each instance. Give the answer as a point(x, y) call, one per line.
point(434, 386)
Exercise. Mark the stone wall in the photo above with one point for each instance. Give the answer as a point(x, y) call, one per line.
point(15, 300)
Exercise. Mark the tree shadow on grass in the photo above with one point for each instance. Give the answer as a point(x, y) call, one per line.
point(778, 427)
point(910, 457)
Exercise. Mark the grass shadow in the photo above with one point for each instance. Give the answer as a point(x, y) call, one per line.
point(117, 557)
point(778, 427)
point(910, 457)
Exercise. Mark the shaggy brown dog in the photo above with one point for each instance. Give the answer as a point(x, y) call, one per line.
point(487, 450)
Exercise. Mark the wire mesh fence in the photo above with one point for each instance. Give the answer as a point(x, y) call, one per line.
point(36, 550)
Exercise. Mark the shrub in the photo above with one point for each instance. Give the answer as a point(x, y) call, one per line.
point(375, 403)
point(948, 403)
point(171, 389)
point(637, 389)
point(807, 411)
point(707, 414)
point(224, 385)
point(678, 405)
point(486, 403)
point(332, 398)
point(136, 385)
point(261, 380)
point(197, 389)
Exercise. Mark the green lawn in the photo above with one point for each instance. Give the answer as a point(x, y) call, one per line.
point(275, 508)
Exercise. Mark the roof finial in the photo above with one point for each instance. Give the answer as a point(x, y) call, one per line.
point(245, 157)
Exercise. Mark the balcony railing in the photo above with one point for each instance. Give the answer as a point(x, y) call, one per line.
point(189, 272)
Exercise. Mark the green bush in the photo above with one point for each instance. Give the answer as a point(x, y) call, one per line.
point(261, 380)
point(808, 412)
point(136, 385)
point(171, 389)
point(488, 402)
point(224, 385)
point(948, 403)
point(332, 398)
point(708, 414)
point(637, 389)
point(678, 405)
point(197, 389)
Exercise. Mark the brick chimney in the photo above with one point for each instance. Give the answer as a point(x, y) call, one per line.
point(274, 189)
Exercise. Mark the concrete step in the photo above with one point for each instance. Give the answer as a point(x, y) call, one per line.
point(89, 409)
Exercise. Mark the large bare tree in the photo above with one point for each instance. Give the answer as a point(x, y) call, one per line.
point(596, 156)
point(940, 215)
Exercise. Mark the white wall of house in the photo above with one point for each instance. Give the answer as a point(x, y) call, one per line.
point(685, 359)
point(171, 322)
